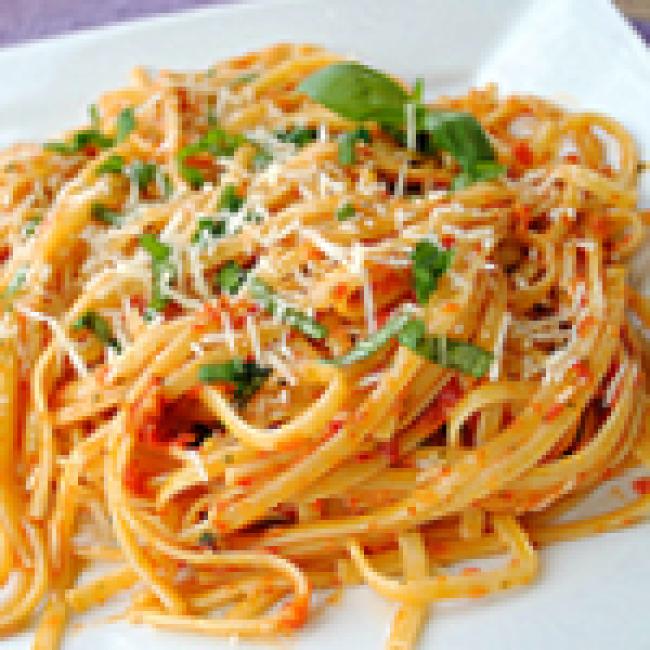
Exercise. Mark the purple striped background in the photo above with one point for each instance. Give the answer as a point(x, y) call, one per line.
point(23, 20)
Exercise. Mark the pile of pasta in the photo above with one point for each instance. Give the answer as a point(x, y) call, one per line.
point(252, 349)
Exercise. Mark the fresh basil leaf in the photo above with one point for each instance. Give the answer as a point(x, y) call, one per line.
point(160, 265)
point(357, 92)
point(267, 298)
point(450, 353)
point(345, 212)
point(99, 326)
point(125, 124)
point(114, 164)
point(31, 224)
point(99, 212)
point(262, 159)
point(374, 342)
point(209, 228)
point(247, 377)
point(297, 135)
point(430, 263)
point(459, 134)
point(230, 277)
point(482, 171)
point(347, 142)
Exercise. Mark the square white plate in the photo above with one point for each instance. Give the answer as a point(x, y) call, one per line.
point(590, 594)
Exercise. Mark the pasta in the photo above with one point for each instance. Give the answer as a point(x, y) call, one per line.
point(282, 326)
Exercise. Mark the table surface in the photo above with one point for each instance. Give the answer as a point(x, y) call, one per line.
point(24, 20)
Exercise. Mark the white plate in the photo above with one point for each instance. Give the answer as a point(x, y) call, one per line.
point(590, 594)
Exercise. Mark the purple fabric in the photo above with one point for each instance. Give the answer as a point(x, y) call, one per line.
point(23, 20)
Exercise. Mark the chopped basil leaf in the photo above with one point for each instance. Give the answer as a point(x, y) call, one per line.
point(114, 164)
point(357, 92)
point(246, 376)
point(31, 224)
point(345, 212)
point(125, 124)
point(374, 342)
point(297, 135)
point(99, 212)
point(209, 228)
point(93, 114)
point(80, 141)
point(99, 326)
point(142, 173)
point(252, 216)
point(429, 265)
point(482, 171)
point(230, 199)
point(230, 277)
point(161, 265)
point(450, 353)
point(347, 142)
point(216, 142)
point(262, 159)
point(268, 299)
point(208, 540)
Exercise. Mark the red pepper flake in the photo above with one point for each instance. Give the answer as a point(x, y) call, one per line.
point(582, 370)
point(572, 158)
point(553, 412)
point(448, 241)
point(523, 154)
point(641, 485)
point(470, 571)
point(138, 303)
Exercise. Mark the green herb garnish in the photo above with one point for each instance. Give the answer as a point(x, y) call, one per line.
point(247, 377)
point(161, 266)
point(345, 212)
point(374, 342)
point(269, 300)
point(216, 142)
point(81, 140)
point(230, 199)
point(208, 540)
point(429, 265)
point(15, 285)
point(114, 164)
point(297, 135)
point(99, 212)
point(142, 173)
point(209, 228)
point(360, 93)
point(125, 124)
point(93, 114)
point(450, 353)
point(482, 171)
point(347, 142)
point(244, 79)
point(99, 326)
point(230, 277)
point(31, 224)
